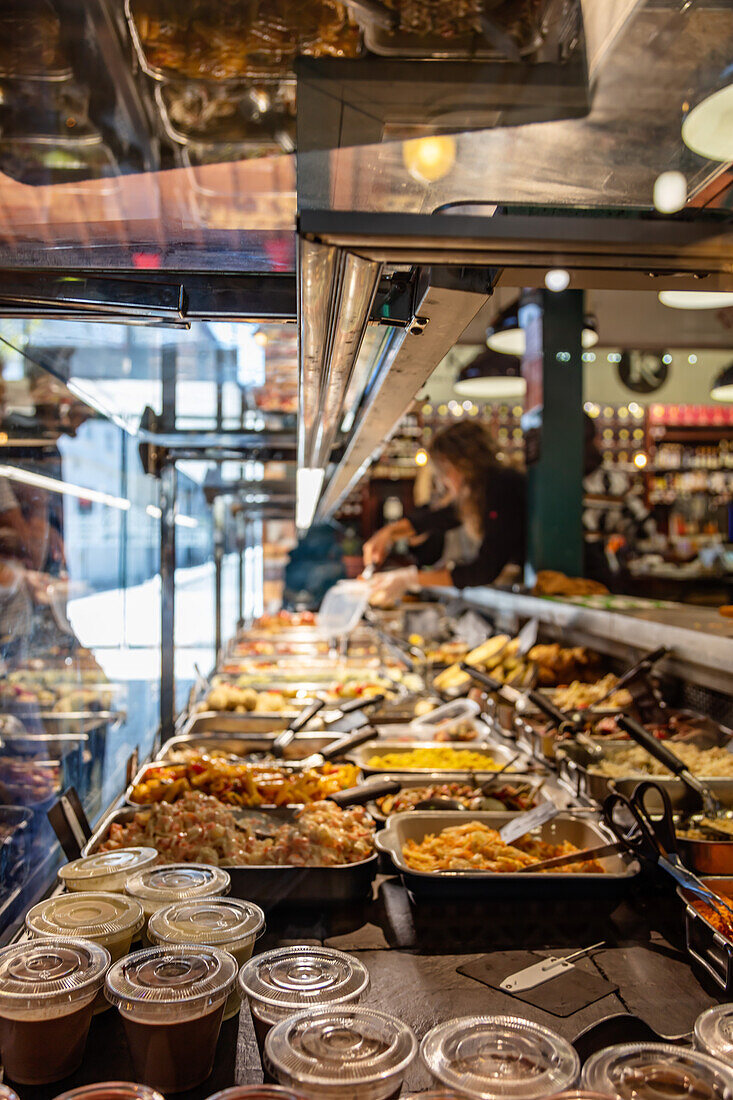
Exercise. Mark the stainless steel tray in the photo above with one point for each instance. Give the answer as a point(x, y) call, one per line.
point(271, 886)
point(573, 762)
point(705, 944)
point(490, 749)
point(579, 829)
point(408, 780)
point(230, 722)
point(142, 772)
point(301, 746)
point(539, 743)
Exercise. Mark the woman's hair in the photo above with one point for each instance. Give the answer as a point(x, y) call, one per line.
point(469, 447)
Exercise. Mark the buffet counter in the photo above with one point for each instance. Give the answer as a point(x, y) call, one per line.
point(701, 640)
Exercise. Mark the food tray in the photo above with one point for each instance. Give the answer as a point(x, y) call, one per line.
point(579, 829)
point(487, 748)
point(538, 742)
point(705, 944)
point(270, 886)
point(93, 169)
point(301, 746)
point(244, 124)
point(142, 772)
point(407, 779)
point(573, 768)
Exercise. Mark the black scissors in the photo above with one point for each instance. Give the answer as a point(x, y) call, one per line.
point(654, 837)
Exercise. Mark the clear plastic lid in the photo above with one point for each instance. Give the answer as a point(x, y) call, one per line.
point(159, 886)
point(288, 979)
point(165, 984)
point(124, 861)
point(111, 1090)
point(255, 1092)
point(714, 1032)
point(342, 1050)
point(7, 1093)
point(38, 977)
point(221, 922)
point(657, 1071)
point(492, 1057)
point(459, 710)
point(94, 916)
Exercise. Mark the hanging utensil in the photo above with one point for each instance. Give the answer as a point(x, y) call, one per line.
point(712, 807)
point(560, 718)
point(642, 666)
point(525, 822)
point(654, 839)
point(338, 748)
point(281, 742)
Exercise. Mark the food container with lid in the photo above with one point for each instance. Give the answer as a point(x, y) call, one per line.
point(454, 717)
point(171, 1000)
point(110, 1090)
point(47, 993)
point(227, 923)
point(156, 887)
point(496, 1057)
point(342, 1050)
point(106, 871)
point(646, 1071)
point(287, 980)
point(714, 1032)
point(255, 1092)
point(7, 1093)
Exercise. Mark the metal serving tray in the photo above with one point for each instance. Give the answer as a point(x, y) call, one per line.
point(236, 724)
point(579, 829)
point(573, 762)
point(271, 886)
point(408, 780)
point(705, 944)
point(301, 746)
point(142, 773)
point(539, 743)
point(488, 748)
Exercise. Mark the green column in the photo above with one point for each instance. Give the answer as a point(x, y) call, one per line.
point(555, 489)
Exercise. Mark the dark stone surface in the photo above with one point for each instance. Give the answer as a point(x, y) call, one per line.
point(413, 953)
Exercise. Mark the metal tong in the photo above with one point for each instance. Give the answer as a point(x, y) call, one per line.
point(561, 718)
point(642, 666)
point(654, 839)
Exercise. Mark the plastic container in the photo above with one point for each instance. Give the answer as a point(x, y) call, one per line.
point(157, 887)
point(232, 925)
point(497, 1057)
point(171, 1000)
point(341, 1051)
point(447, 723)
point(106, 871)
point(342, 608)
point(7, 1093)
point(47, 993)
point(714, 1033)
point(255, 1092)
point(648, 1071)
point(287, 980)
point(111, 1090)
point(111, 920)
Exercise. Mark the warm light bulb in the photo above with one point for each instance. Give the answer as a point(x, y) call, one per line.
point(557, 279)
point(696, 299)
point(430, 158)
point(261, 338)
point(640, 460)
point(670, 192)
point(421, 458)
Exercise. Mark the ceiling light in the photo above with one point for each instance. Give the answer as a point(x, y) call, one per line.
point(491, 375)
point(722, 388)
point(421, 458)
point(696, 299)
point(557, 279)
point(308, 485)
point(670, 192)
point(430, 158)
point(708, 128)
point(506, 335)
point(40, 481)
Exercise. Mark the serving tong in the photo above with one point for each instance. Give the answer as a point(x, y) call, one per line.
point(456, 804)
point(712, 807)
point(636, 824)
